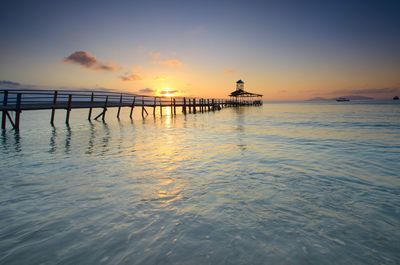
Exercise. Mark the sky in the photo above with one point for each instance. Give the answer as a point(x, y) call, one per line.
point(285, 50)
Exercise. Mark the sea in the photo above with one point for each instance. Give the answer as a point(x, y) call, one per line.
point(283, 183)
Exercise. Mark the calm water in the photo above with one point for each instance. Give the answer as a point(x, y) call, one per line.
point(288, 183)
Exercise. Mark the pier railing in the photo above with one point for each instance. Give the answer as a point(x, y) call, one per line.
point(22, 100)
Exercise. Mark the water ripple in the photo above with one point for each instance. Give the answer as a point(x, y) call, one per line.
point(295, 183)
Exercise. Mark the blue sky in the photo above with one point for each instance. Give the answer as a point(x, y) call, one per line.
point(283, 49)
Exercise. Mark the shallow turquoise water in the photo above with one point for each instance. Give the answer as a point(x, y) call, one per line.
point(287, 183)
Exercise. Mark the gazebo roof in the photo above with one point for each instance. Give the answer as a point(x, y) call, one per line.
point(240, 92)
point(240, 81)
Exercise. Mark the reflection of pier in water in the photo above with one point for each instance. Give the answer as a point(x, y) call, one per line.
point(17, 101)
point(62, 139)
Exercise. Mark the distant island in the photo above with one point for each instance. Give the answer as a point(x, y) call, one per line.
point(335, 98)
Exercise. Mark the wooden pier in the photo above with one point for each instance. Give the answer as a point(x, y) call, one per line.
point(13, 102)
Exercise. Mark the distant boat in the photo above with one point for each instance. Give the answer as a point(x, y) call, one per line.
point(396, 98)
point(342, 99)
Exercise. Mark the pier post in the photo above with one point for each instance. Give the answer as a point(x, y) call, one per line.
point(132, 106)
point(4, 116)
point(143, 109)
point(213, 105)
point(208, 105)
point(174, 107)
point(18, 111)
point(184, 106)
point(119, 107)
point(53, 110)
point(91, 103)
point(200, 105)
point(154, 108)
point(160, 106)
point(68, 109)
point(103, 117)
point(190, 106)
point(103, 113)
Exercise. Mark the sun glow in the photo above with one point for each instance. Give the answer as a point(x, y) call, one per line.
point(167, 92)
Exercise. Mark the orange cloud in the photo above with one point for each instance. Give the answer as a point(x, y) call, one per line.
point(89, 61)
point(146, 90)
point(172, 62)
point(130, 77)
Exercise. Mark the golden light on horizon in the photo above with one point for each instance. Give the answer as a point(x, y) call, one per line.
point(167, 92)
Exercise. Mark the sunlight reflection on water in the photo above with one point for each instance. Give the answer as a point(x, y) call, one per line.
point(299, 183)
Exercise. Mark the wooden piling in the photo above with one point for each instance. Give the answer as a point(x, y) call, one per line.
point(174, 107)
point(68, 109)
point(199, 104)
point(194, 106)
point(18, 111)
point(154, 108)
point(10, 119)
point(4, 116)
point(200, 109)
point(90, 108)
point(184, 106)
point(160, 106)
point(190, 106)
point(133, 105)
point(53, 110)
point(143, 109)
point(119, 107)
point(103, 117)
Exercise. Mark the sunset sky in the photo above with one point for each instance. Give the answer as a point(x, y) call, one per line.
point(286, 50)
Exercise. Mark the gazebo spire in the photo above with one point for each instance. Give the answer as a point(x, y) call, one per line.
point(239, 85)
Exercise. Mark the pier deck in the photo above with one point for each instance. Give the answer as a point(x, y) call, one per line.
point(27, 100)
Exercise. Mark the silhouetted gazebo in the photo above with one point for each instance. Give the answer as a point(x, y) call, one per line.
point(242, 97)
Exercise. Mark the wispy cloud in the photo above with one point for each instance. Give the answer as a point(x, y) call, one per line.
point(146, 90)
point(130, 77)
point(89, 61)
point(172, 62)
